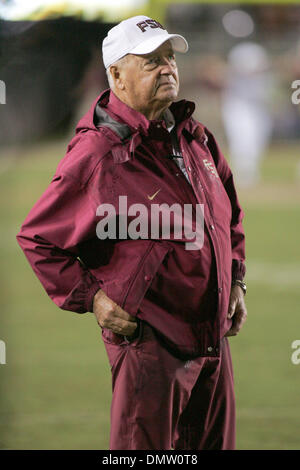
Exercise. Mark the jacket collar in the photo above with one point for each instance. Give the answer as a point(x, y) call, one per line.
point(181, 110)
point(110, 112)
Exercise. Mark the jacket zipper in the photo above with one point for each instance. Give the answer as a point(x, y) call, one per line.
point(218, 257)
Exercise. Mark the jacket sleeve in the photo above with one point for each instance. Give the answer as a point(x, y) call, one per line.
point(237, 231)
point(62, 218)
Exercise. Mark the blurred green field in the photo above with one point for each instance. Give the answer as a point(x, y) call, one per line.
point(55, 389)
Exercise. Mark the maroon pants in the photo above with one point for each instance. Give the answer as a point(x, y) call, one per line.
point(162, 402)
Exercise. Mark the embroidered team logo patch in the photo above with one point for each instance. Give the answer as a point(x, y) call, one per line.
point(210, 167)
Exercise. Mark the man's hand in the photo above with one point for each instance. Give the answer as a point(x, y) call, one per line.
point(237, 310)
point(110, 315)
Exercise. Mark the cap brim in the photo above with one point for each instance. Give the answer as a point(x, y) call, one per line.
point(178, 42)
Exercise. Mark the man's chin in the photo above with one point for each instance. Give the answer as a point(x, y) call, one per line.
point(167, 93)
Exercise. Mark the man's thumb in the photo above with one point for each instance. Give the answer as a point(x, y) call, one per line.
point(231, 309)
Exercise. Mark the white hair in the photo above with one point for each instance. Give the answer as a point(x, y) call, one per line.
point(119, 63)
point(109, 78)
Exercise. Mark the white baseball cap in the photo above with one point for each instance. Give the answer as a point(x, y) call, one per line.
point(138, 35)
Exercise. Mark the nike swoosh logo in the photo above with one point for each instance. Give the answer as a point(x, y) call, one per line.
point(153, 196)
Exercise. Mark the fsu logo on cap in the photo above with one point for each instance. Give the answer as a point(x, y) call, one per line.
point(143, 25)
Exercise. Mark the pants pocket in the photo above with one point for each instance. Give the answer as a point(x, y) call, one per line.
point(137, 335)
point(117, 345)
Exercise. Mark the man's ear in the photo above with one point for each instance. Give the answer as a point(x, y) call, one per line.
point(116, 76)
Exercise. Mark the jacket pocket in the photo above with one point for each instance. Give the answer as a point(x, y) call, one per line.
point(142, 278)
point(109, 337)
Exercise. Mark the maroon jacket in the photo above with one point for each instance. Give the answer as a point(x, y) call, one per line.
point(116, 151)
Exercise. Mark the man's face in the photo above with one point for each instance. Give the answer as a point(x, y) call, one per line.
point(151, 81)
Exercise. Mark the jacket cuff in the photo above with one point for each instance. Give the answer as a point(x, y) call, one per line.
point(90, 296)
point(238, 270)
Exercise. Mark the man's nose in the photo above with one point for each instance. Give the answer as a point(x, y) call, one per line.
point(167, 67)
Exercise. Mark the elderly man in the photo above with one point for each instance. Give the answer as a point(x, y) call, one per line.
point(165, 309)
